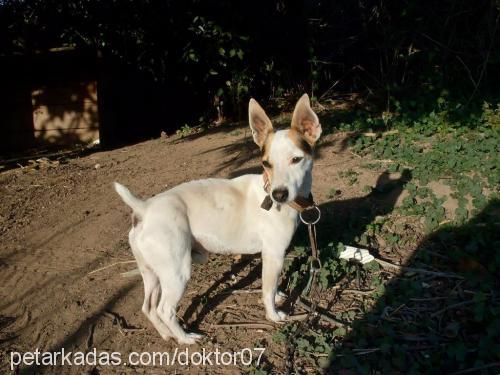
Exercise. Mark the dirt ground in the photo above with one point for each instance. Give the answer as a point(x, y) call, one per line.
point(60, 225)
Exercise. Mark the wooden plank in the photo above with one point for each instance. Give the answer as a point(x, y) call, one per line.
point(66, 136)
point(65, 117)
point(66, 114)
point(68, 93)
point(61, 115)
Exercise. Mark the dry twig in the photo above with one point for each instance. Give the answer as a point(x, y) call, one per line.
point(477, 369)
point(386, 264)
point(111, 265)
point(122, 324)
point(90, 338)
point(449, 307)
point(249, 325)
point(321, 315)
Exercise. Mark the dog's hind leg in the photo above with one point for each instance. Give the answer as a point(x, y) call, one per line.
point(152, 290)
point(168, 254)
point(171, 294)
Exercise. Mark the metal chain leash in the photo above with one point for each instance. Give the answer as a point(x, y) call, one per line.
point(311, 288)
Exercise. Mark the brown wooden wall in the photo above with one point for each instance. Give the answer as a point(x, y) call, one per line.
point(65, 114)
point(47, 102)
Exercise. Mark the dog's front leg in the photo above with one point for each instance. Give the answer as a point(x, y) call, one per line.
point(272, 265)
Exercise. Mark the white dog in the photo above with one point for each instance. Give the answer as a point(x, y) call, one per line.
point(174, 228)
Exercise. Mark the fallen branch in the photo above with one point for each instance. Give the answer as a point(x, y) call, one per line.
point(320, 314)
point(242, 291)
point(353, 153)
point(362, 351)
point(244, 325)
point(362, 292)
point(454, 306)
point(38, 156)
point(111, 265)
point(428, 299)
point(385, 264)
point(365, 351)
point(297, 317)
point(318, 354)
point(122, 323)
point(477, 369)
point(90, 338)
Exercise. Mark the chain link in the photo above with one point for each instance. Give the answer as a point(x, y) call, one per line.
point(311, 290)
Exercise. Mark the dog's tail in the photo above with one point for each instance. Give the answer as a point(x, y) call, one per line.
point(137, 205)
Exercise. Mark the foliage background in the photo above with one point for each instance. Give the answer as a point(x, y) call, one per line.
point(222, 52)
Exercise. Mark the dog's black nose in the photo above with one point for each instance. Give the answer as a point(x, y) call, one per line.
point(280, 194)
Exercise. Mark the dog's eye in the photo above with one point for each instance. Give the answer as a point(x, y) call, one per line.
point(297, 160)
point(266, 164)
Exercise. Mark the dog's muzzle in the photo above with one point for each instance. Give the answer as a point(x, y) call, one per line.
point(280, 194)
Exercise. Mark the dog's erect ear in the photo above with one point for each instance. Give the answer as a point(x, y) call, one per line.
point(259, 122)
point(305, 121)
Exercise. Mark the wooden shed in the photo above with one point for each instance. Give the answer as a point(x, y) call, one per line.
point(64, 97)
point(65, 114)
point(49, 100)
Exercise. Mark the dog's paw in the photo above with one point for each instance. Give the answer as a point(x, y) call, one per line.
point(277, 316)
point(190, 338)
point(165, 335)
point(280, 297)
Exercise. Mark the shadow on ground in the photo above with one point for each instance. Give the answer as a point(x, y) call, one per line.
point(335, 223)
point(426, 323)
point(77, 337)
point(420, 323)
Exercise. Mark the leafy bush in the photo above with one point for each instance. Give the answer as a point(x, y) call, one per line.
point(227, 51)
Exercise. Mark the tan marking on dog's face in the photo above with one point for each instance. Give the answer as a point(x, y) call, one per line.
point(298, 140)
point(266, 147)
point(286, 165)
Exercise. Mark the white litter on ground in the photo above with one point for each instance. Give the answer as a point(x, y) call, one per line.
point(361, 255)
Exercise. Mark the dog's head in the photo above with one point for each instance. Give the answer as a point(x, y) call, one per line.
point(287, 155)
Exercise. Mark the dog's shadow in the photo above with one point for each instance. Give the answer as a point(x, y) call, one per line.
point(206, 302)
point(342, 220)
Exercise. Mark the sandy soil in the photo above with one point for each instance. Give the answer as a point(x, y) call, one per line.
point(60, 224)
